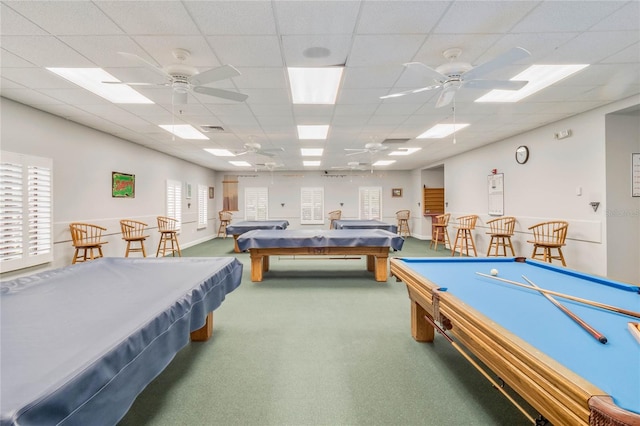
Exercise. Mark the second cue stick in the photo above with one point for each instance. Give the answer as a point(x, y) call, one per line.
point(595, 333)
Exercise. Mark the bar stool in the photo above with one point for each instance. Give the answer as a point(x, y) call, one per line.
point(133, 232)
point(168, 228)
point(439, 230)
point(548, 236)
point(501, 230)
point(333, 216)
point(86, 238)
point(466, 224)
point(403, 222)
point(225, 219)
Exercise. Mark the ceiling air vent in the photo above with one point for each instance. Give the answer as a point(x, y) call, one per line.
point(395, 141)
point(209, 129)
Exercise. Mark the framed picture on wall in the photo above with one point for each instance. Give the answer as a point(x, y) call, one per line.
point(123, 185)
point(211, 191)
point(396, 192)
point(188, 191)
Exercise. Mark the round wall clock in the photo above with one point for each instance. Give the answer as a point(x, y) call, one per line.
point(522, 154)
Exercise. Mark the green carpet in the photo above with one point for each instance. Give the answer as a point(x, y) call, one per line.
point(318, 342)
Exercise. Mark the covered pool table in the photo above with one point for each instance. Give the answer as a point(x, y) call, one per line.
point(364, 224)
point(240, 228)
point(540, 352)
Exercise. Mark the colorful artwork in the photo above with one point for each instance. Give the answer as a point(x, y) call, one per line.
point(123, 185)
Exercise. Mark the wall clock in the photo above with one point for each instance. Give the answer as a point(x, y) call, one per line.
point(522, 154)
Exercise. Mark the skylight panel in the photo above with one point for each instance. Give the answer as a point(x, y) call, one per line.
point(240, 163)
point(311, 152)
point(220, 152)
point(383, 162)
point(183, 131)
point(311, 163)
point(313, 131)
point(315, 85)
point(442, 130)
point(404, 151)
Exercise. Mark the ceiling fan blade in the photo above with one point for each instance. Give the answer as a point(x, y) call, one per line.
point(133, 84)
point(221, 93)
point(215, 74)
point(408, 92)
point(503, 60)
point(446, 97)
point(495, 84)
point(355, 153)
point(146, 63)
point(265, 153)
point(425, 70)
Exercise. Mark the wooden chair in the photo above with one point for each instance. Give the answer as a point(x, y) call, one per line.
point(501, 229)
point(548, 236)
point(225, 219)
point(466, 224)
point(86, 238)
point(168, 228)
point(133, 232)
point(439, 232)
point(333, 216)
point(403, 222)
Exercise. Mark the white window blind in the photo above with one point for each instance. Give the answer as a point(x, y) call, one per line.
point(370, 203)
point(312, 206)
point(256, 203)
point(26, 211)
point(203, 194)
point(174, 200)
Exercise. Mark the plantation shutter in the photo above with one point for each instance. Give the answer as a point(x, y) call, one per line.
point(203, 193)
point(312, 206)
point(174, 201)
point(370, 203)
point(256, 203)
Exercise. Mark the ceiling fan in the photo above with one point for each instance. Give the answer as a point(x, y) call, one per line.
point(183, 78)
point(352, 165)
point(455, 75)
point(270, 166)
point(371, 148)
point(256, 148)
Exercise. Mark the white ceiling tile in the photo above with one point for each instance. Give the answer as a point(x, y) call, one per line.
point(407, 17)
point(161, 49)
point(150, 17)
point(233, 17)
point(12, 23)
point(44, 51)
point(37, 78)
point(247, 51)
point(566, 16)
point(261, 78)
point(296, 54)
point(483, 17)
point(381, 50)
point(316, 17)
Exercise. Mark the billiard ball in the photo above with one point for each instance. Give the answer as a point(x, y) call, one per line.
point(494, 272)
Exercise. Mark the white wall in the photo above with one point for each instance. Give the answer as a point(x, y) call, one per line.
point(83, 160)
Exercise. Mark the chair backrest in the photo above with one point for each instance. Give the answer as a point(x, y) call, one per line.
point(551, 232)
point(403, 214)
point(443, 219)
point(167, 224)
point(132, 228)
point(467, 222)
point(335, 215)
point(502, 225)
point(85, 233)
point(225, 215)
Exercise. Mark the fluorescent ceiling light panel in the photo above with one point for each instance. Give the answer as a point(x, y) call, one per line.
point(315, 85)
point(183, 131)
point(313, 131)
point(404, 151)
point(240, 163)
point(383, 162)
point(538, 77)
point(220, 152)
point(313, 163)
point(442, 130)
point(92, 79)
point(311, 152)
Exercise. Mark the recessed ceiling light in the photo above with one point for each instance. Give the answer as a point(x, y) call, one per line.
point(313, 131)
point(405, 151)
point(311, 152)
point(240, 163)
point(308, 163)
point(442, 130)
point(538, 77)
point(183, 131)
point(383, 162)
point(315, 85)
point(220, 152)
point(93, 80)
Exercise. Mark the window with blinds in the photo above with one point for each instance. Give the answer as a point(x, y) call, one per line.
point(203, 193)
point(26, 211)
point(312, 206)
point(370, 199)
point(174, 201)
point(256, 203)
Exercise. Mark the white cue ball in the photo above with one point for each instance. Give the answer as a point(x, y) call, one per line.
point(494, 272)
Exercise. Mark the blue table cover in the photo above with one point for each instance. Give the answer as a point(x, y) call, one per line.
point(78, 344)
point(320, 238)
point(364, 224)
point(250, 225)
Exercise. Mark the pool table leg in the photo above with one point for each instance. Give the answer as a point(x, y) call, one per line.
point(257, 266)
point(235, 243)
point(421, 330)
point(380, 268)
point(205, 332)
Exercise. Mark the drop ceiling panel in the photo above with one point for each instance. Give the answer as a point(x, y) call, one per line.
point(44, 51)
point(483, 17)
point(296, 55)
point(316, 17)
point(150, 17)
point(377, 50)
point(409, 17)
point(247, 51)
point(232, 17)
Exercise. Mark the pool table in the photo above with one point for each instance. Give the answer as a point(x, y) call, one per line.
point(364, 224)
point(240, 228)
point(567, 375)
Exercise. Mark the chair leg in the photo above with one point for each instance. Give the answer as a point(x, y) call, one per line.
point(513, 252)
point(561, 257)
point(491, 245)
point(434, 238)
point(455, 244)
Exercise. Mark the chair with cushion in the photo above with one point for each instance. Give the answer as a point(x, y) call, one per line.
point(133, 232)
point(225, 219)
point(464, 237)
point(86, 238)
point(439, 232)
point(548, 236)
point(333, 216)
point(501, 229)
point(402, 216)
point(168, 228)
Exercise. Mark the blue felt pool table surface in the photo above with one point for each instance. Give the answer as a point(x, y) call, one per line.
point(613, 367)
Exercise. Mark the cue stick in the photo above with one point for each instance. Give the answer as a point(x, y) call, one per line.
point(568, 296)
point(480, 369)
point(595, 333)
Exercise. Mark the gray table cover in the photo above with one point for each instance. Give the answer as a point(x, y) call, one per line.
point(364, 224)
point(320, 238)
point(250, 225)
point(79, 343)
